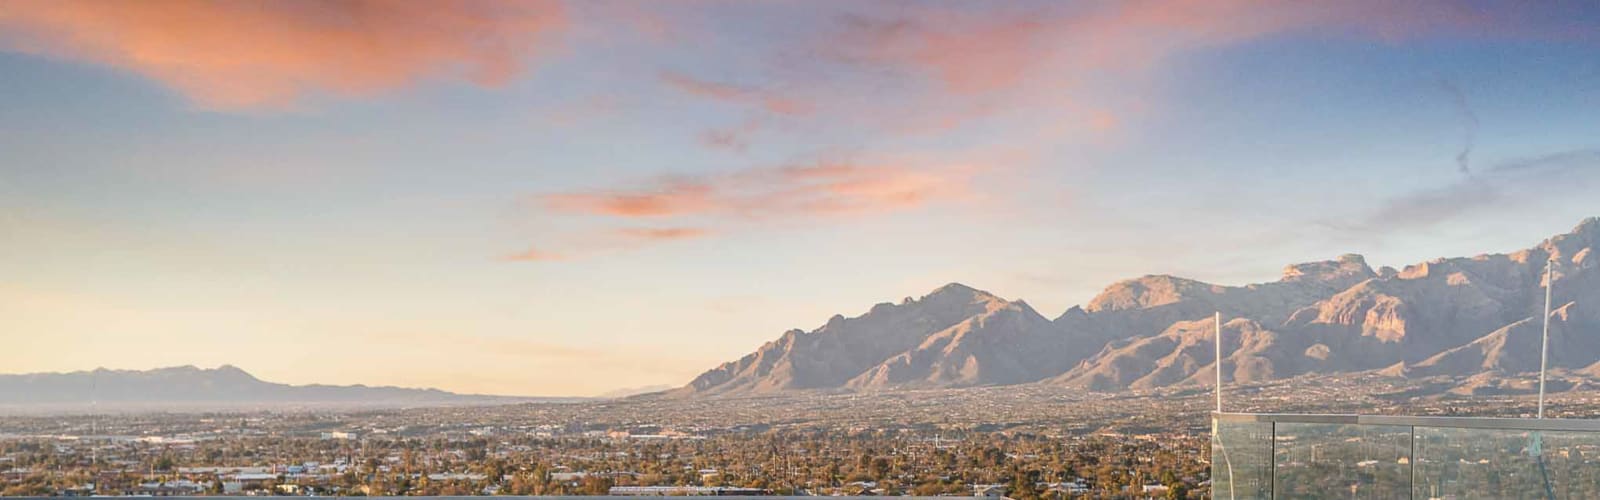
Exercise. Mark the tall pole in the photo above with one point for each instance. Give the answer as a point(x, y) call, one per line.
point(1544, 345)
point(1216, 424)
point(1536, 448)
point(1216, 320)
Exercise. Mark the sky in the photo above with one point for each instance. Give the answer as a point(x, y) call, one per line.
point(566, 198)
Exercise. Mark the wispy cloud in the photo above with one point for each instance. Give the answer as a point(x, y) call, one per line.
point(534, 255)
point(255, 54)
point(662, 233)
point(998, 49)
point(1080, 67)
point(591, 243)
point(787, 191)
point(1469, 131)
point(1509, 184)
point(766, 100)
point(684, 207)
point(668, 197)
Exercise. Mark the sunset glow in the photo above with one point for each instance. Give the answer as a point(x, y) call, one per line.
point(566, 198)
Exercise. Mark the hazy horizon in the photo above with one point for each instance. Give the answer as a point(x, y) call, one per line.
point(569, 198)
point(613, 392)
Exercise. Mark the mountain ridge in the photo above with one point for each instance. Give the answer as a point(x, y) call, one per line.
point(1443, 317)
point(225, 385)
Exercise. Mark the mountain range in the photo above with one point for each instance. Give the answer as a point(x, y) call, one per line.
point(192, 387)
point(1468, 318)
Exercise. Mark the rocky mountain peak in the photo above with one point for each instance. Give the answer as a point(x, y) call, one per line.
point(1073, 313)
point(954, 296)
point(1346, 267)
point(230, 372)
point(1445, 317)
point(1564, 246)
point(1589, 227)
point(958, 292)
point(1149, 291)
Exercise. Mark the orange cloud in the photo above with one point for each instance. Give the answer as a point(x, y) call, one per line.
point(790, 191)
point(621, 239)
point(740, 200)
point(662, 234)
point(1061, 70)
point(665, 198)
point(534, 255)
point(999, 49)
point(965, 52)
point(1103, 121)
point(253, 54)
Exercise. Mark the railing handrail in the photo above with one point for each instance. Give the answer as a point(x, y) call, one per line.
point(1526, 424)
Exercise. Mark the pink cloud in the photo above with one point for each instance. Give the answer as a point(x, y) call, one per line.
point(621, 239)
point(732, 93)
point(1064, 71)
point(650, 234)
point(667, 197)
point(998, 49)
point(731, 202)
point(650, 19)
point(737, 137)
point(534, 255)
point(789, 191)
point(255, 54)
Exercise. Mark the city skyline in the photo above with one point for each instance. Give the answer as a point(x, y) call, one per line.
point(565, 198)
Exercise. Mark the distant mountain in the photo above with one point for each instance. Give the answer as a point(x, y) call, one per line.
point(635, 391)
point(1467, 318)
point(190, 386)
point(954, 336)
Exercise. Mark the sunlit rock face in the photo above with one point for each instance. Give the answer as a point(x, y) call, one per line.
point(953, 336)
point(1454, 317)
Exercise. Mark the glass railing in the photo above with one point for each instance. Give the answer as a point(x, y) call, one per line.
point(1261, 456)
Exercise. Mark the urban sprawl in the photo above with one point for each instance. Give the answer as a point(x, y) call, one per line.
point(1019, 442)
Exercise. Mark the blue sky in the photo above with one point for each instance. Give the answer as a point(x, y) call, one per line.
point(565, 198)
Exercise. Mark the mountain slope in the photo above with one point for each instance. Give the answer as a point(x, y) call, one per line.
point(1151, 304)
point(1454, 317)
point(1008, 344)
point(954, 336)
point(1459, 317)
point(1182, 354)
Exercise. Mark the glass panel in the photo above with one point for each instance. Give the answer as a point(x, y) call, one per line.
point(1572, 460)
point(1257, 460)
point(1342, 461)
point(1241, 460)
point(1483, 463)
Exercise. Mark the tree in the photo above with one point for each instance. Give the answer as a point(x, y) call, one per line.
point(594, 485)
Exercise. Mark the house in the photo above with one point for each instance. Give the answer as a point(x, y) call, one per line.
point(170, 488)
point(989, 490)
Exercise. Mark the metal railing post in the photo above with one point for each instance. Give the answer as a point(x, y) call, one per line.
point(1544, 343)
point(1216, 319)
point(1411, 460)
point(1272, 463)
